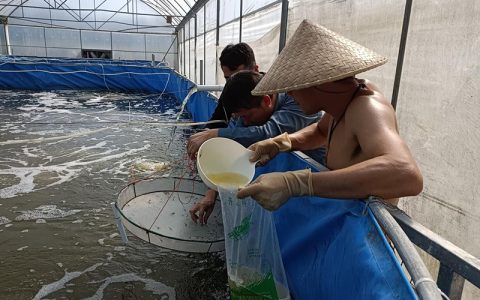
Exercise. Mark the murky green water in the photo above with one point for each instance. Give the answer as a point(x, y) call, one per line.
point(64, 156)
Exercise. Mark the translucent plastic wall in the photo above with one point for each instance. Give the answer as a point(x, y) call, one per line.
point(259, 22)
point(439, 115)
point(130, 30)
point(201, 42)
point(376, 24)
point(437, 107)
point(54, 42)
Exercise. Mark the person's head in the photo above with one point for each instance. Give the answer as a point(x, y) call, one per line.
point(316, 59)
point(237, 98)
point(307, 98)
point(236, 58)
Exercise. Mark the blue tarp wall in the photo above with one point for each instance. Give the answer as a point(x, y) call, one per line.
point(100, 74)
point(331, 249)
point(334, 249)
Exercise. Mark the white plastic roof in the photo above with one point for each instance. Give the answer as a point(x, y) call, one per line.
point(109, 15)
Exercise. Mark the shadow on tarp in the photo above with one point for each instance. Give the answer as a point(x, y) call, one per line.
point(334, 249)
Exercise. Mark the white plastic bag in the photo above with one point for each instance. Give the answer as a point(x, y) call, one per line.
point(254, 263)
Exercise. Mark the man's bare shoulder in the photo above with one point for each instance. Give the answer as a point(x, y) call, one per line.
point(372, 108)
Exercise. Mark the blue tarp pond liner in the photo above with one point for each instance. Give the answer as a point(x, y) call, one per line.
point(334, 249)
point(102, 75)
point(331, 249)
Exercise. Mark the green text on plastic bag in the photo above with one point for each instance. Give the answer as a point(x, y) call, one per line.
point(241, 230)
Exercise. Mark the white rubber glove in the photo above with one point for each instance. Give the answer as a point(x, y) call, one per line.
point(272, 190)
point(265, 150)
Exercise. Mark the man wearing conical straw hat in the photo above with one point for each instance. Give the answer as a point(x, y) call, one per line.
point(365, 153)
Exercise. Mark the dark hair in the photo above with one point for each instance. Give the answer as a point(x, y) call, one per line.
point(237, 92)
point(235, 55)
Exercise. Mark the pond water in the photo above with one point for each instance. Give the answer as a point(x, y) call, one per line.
point(64, 156)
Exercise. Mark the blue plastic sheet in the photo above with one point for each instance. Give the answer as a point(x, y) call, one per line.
point(112, 75)
point(334, 249)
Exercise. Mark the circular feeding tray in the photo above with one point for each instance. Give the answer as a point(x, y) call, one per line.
point(156, 210)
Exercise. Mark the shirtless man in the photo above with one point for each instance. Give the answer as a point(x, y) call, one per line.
point(365, 154)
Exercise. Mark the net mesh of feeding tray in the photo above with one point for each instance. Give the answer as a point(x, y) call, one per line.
point(157, 211)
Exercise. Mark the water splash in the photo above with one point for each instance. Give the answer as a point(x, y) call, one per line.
point(45, 212)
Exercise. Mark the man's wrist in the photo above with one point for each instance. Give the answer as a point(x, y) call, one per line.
point(210, 197)
point(213, 133)
point(282, 142)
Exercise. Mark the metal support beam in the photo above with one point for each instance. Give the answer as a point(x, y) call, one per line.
point(283, 26)
point(95, 9)
point(66, 8)
point(240, 21)
point(101, 30)
point(195, 50)
point(176, 15)
point(90, 10)
point(251, 13)
point(145, 46)
point(217, 29)
point(460, 261)
point(401, 52)
point(45, 42)
point(95, 18)
point(184, 54)
point(450, 282)
point(111, 44)
point(204, 41)
point(174, 39)
point(139, 26)
point(201, 80)
point(57, 5)
point(173, 7)
point(113, 15)
point(195, 8)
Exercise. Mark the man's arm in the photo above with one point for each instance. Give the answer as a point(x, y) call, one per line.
point(388, 171)
point(287, 119)
point(197, 139)
point(386, 168)
point(311, 137)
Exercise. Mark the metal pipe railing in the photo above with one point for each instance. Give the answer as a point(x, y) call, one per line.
point(456, 265)
point(424, 285)
point(210, 88)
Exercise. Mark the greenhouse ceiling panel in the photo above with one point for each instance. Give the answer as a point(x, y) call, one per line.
point(147, 16)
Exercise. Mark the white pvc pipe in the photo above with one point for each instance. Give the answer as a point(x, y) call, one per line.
point(7, 40)
point(210, 88)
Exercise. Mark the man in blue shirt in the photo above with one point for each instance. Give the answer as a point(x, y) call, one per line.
point(234, 58)
point(256, 118)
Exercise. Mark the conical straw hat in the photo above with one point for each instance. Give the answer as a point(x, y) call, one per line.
point(315, 55)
